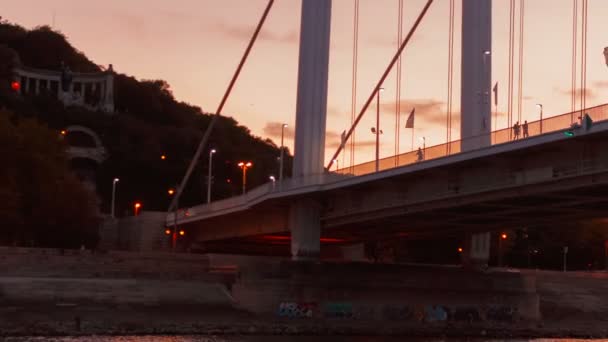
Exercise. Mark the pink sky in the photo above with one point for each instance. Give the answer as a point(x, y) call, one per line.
point(196, 46)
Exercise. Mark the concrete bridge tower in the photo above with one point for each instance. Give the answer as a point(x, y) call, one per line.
point(311, 111)
point(476, 102)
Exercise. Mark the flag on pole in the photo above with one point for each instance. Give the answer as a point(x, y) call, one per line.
point(495, 94)
point(410, 119)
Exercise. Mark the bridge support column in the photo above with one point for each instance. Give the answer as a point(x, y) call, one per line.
point(305, 226)
point(477, 251)
point(476, 103)
point(311, 112)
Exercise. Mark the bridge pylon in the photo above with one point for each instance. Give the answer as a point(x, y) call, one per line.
point(311, 112)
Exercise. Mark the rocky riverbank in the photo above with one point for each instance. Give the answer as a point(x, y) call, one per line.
point(208, 320)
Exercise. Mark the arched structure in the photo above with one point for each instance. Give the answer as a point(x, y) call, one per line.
point(96, 153)
point(91, 90)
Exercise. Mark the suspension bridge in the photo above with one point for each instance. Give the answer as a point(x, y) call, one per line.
point(486, 179)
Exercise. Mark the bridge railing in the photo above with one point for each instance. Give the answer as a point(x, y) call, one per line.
point(265, 190)
point(501, 136)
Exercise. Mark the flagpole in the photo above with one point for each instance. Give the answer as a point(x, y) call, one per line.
point(412, 139)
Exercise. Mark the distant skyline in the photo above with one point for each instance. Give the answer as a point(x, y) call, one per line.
point(196, 46)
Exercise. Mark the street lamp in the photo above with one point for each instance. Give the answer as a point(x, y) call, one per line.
point(116, 180)
point(273, 180)
point(283, 126)
point(163, 157)
point(503, 236)
point(211, 153)
point(137, 206)
point(378, 131)
point(539, 105)
point(423, 139)
point(245, 166)
point(337, 164)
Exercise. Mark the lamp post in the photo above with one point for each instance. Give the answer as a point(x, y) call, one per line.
point(378, 128)
point(423, 139)
point(282, 152)
point(539, 105)
point(171, 192)
point(337, 164)
point(503, 236)
point(211, 153)
point(137, 206)
point(245, 166)
point(273, 180)
point(112, 210)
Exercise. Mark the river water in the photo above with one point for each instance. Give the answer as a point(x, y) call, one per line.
point(269, 339)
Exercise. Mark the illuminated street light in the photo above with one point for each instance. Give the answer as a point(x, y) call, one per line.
point(163, 157)
point(540, 106)
point(64, 132)
point(245, 166)
point(377, 130)
point(171, 192)
point(167, 231)
point(273, 180)
point(182, 233)
point(460, 250)
point(137, 206)
point(283, 126)
point(211, 153)
point(116, 180)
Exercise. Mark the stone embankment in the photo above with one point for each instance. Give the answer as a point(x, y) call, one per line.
point(53, 292)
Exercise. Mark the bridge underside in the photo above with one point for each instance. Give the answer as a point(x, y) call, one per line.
point(539, 186)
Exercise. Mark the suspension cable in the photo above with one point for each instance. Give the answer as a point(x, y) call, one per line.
point(354, 80)
point(574, 56)
point(398, 88)
point(383, 78)
point(511, 55)
point(584, 57)
point(448, 137)
point(522, 8)
point(218, 112)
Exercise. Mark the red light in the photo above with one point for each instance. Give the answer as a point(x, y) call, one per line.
point(503, 236)
point(460, 249)
point(228, 181)
point(288, 238)
point(16, 86)
point(167, 232)
point(137, 207)
point(163, 157)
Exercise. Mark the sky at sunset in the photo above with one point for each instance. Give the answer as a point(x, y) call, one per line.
point(196, 44)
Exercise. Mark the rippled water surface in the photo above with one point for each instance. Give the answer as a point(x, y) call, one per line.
point(269, 339)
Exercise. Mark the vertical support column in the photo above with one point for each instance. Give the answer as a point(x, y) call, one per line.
point(476, 104)
point(477, 251)
point(311, 112)
point(36, 86)
point(108, 95)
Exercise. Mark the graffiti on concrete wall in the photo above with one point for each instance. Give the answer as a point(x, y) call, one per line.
point(397, 313)
point(501, 313)
point(297, 310)
point(338, 310)
point(465, 314)
point(427, 314)
point(435, 313)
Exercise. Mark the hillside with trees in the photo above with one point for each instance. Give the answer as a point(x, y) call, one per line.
point(149, 122)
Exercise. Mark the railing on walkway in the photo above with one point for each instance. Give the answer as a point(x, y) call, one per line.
point(551, 124)
point(501, 136)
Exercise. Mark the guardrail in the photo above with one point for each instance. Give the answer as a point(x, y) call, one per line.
point(501, 136)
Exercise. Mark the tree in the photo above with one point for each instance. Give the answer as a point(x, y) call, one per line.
point(40, 199)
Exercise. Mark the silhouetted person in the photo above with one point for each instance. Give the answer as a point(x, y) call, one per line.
point(419, 154)
point(516, 130)
point(525, 129)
